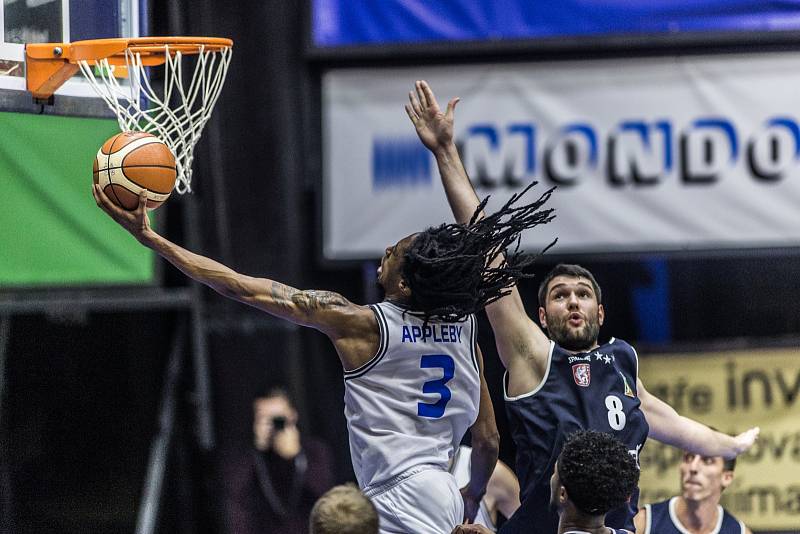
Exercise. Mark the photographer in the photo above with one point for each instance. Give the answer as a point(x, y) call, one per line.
point(273, 485)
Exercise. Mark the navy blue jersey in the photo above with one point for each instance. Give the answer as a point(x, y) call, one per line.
point(662, 519)
point(593, 390)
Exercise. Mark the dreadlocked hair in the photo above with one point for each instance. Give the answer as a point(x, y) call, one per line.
point(448, 267)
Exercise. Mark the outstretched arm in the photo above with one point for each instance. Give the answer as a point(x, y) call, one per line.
point(485, 448)
point(326, 311)
point(667, 426)
point(471, 529)
point(521, 344)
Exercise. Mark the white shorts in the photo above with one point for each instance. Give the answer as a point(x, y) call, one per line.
point(423, 500)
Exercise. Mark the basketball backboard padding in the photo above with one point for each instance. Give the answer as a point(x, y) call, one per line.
point(56, 21)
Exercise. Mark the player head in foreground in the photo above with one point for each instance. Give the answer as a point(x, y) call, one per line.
point(594, 474)
point(343, 510)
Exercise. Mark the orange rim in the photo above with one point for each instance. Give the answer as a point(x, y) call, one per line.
point(49, 65)
point(146, 46)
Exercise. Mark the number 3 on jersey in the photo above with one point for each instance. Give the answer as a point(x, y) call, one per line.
point(448, 367)
point(616, 417)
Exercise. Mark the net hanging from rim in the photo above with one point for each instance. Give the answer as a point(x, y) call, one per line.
point(179, 112)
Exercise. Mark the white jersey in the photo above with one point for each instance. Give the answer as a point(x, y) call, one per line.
point(412, 402)
point(462, 462)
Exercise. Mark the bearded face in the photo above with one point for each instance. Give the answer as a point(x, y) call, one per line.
point(575, 337)
point(572, 314)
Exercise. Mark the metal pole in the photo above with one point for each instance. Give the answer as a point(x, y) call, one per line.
point(202, 380)
point(6, 495)
point(159, 450)
point(5, 334)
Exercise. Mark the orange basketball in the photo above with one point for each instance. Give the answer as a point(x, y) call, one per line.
point(132, 161)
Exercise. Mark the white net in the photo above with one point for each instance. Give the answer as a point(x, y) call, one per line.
point(178, 112)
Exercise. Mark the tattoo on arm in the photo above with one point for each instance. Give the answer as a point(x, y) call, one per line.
point(292, 300)
point(311, 300)
point(282, 295)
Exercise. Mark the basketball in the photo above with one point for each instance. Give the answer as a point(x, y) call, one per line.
point(132, 161)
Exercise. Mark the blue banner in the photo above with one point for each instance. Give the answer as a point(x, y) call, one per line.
point(371, 22)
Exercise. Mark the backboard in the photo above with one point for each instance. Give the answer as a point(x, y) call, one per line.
point(41, 21)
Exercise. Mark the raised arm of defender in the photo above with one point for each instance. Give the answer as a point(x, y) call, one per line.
point(352, 328)
point(522, 345)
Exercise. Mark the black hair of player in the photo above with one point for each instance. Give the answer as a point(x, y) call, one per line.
point(597, 471)
point(572, 270)
point(729, 464)
point(448, 267)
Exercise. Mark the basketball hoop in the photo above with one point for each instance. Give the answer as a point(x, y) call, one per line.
point(177, 115)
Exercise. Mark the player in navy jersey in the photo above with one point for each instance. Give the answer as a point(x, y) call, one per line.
point(413, 375)
point(562, 380)
point(697, 509)
point(593, 474)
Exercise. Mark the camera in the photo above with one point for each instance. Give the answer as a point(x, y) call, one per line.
point(278, 423)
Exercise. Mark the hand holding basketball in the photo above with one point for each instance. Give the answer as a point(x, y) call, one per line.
point(136, 222)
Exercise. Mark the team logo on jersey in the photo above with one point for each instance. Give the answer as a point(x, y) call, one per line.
point(628, 391)
point(582, 373)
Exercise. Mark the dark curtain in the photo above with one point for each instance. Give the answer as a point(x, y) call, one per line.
point(256, 212)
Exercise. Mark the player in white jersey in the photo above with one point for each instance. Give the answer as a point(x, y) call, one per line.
point(408, 431)
point(414, 374)
point(502, 491)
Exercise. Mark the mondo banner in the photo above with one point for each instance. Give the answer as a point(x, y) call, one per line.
point(733, 391)
point(648, 154)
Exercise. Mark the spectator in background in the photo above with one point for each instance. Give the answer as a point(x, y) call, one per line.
point(344, 510)
point(697, 509)
point(272, 485)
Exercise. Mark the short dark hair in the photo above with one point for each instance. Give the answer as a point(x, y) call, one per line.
point(271, 392)
point(727, 464)
point(448, 267)
point(565, 269)
point(597, 471)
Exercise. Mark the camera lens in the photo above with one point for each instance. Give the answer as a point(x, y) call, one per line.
point(278, 423)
